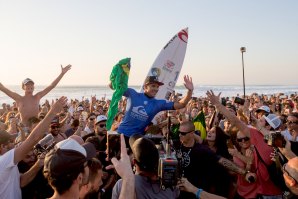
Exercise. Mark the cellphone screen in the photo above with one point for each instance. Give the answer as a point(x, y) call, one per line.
point(113, 145)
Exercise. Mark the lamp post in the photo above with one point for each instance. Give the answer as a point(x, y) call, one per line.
point(243, 49)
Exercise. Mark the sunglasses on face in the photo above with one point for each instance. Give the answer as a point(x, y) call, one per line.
point(241, 139)
point(184, 133)
point(101, 125)
point(292, 122)
point(91, 118)
point(55, 127)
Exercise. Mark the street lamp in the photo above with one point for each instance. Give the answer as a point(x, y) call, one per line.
point(243, 50)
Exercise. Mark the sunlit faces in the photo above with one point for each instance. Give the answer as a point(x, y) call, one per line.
point(211, 135)
point(243, 140)
point(292, 123)
point(151, 89)
point(100, 128)
point(29, 87)
point(194, 112)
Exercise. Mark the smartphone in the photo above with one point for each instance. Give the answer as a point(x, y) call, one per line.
point(113, 145)
point(239, 100)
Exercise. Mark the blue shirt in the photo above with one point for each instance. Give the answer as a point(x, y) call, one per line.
point(140, 110)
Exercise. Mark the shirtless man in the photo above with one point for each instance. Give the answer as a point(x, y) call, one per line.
point(28, 104)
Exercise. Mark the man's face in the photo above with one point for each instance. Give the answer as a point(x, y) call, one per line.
point(186, 135)
point(100, 128)
point(29, 88)
point(292, 123)
point(76, 115)
point(151, 89)
point(54, 130)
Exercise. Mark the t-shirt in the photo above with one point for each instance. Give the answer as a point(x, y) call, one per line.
point(201, 168)
point(9, 177)
point(146, 189)
point(140, 110)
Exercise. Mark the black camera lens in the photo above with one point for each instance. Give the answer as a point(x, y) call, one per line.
point(251, 179)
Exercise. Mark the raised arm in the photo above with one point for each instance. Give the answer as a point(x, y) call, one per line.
point(38, 131)
point(189, 86)
point(229, 115)
point(9, 93)
point(55, 82)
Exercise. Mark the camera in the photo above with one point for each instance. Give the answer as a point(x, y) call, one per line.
point(250, 177)
point(168, 165)
point(113, 145)
point(239, 100)
point(275, 139)
point(44, 145)
point(223, 101)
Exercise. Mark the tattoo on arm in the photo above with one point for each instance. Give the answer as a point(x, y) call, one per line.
point(231, 166)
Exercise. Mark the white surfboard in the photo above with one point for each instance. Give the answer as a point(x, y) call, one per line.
point(168, 64)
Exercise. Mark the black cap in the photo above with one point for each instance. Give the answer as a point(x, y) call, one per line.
point(153, 80)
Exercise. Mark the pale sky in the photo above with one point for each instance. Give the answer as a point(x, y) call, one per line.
point(37, 36)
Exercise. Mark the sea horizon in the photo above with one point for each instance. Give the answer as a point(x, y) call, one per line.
point(86, 91)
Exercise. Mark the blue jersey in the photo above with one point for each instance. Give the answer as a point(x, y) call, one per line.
point(140, 110)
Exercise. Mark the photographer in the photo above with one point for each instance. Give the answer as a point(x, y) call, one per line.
point(263, 186)
point(147, 183)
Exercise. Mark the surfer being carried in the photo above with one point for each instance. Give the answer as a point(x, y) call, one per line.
point(142, 107)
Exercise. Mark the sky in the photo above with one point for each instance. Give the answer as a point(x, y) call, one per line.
point(36, 37)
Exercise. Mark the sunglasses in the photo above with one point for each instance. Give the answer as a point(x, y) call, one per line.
point(55, 127)
point(101, 125)
point(91, 118)
point(184, 133)
point(292, 122)
point(285, 171)
point(241, 139)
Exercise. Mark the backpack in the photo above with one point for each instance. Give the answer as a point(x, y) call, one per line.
point(275, 173)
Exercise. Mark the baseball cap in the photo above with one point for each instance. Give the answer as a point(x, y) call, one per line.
point(145, 154)
point(153, 80)
point(27, 80)
point(55, 122)
point(5, 137)
point(263, 108)
point(68, 156)
point(273, 120)
point(80, 108)
point(101, 118)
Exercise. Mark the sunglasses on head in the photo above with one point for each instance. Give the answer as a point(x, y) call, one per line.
point(241, 139)
point(184, 133)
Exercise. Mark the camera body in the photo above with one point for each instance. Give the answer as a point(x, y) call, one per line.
point(44, 145)
point(168, 165)
point(275, 139)
point(239, 100)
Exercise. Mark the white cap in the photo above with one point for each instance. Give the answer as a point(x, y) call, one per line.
point(101, 118)
point(80, 108)
point(27, 80)
point(273, 120)
point(264, 108)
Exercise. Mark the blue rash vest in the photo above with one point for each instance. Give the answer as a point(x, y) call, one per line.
point(140, 110)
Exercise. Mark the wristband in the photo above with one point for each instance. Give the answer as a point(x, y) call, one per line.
point(199, 193)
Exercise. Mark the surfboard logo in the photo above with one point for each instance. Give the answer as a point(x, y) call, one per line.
point(169, 66)
point(183, 36)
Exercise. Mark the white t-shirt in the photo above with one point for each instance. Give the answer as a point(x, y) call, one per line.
point(9, 177)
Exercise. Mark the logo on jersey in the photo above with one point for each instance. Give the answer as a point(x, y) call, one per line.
point(139, 112)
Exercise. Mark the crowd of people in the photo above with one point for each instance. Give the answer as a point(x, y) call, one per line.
point(224, 145)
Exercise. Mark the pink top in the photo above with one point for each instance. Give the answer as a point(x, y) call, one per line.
point(263, 184)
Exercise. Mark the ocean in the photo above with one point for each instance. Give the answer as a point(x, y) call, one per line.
point(79, 92)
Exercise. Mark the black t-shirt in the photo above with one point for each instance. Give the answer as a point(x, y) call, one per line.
point(200, 166)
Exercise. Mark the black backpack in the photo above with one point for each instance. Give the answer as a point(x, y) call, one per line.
point(275, 173)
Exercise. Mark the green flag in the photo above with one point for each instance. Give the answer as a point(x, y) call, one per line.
point(200, 124)
point(119, 81)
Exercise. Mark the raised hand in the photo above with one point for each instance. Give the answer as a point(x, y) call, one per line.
point(65, 69)
point(188, 82)
point(214, 99)
point(58, 105)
